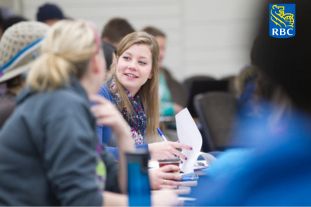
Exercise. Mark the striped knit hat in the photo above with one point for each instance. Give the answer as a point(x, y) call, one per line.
point(19, 46)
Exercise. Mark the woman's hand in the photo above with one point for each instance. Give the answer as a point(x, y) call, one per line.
point(107, 114)
point(167, 150)
point(167, 176)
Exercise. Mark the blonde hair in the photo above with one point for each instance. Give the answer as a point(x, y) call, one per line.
point(149, 91)
point(66, 51)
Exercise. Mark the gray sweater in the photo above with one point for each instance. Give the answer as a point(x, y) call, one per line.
point(48, 150)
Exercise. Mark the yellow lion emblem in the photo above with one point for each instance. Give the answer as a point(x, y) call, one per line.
point(280, 18)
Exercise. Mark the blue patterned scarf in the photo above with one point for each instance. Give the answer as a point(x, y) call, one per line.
point(137, 119)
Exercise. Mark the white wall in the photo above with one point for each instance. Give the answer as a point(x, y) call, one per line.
point(13, 6)
point(204, 36)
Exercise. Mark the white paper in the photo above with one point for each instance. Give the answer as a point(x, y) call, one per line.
point(188, 133)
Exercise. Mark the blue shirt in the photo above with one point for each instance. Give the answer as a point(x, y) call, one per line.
point(276, 171)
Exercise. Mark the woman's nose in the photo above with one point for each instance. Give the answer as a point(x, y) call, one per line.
point(132, 65)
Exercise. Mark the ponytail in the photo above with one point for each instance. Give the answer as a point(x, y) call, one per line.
point(66, 52)
point(49, 72)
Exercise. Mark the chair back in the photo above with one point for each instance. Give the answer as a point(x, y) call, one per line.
point(216, 112)
point(202, 84)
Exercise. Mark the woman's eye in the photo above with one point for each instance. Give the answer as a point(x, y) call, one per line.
point(126, 58)
point(142, 62)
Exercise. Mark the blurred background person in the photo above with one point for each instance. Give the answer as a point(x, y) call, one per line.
point(19, 47)
point(172, 93)
point(276, 169)
point(49, 13)
point(114, 30)
point(7, 19)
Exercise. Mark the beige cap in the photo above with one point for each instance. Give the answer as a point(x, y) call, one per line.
point(19, 47)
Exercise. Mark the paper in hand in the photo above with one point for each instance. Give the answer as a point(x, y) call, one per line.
point(188, 133)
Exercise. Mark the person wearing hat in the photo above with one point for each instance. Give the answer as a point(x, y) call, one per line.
point(19, 46)
point(49, 13)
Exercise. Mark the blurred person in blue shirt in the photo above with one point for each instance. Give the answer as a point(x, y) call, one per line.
point(274, 168)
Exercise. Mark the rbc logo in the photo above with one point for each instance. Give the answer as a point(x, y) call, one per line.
point(282, 20)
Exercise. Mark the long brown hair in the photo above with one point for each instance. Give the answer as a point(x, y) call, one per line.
point(149, 91)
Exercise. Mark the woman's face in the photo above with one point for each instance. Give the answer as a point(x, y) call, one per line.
point(134, 67)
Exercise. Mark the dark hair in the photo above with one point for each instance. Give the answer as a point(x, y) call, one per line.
point(109, 50)
point(154, 31)
point(1, 19)
point(49, 11)
point(11, 21)
point(15, 82)
point(115, 29)
point(287, 61)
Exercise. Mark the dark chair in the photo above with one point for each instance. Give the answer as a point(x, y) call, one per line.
point(216, 112)
point(202, 84)
point(231, 83)
point(188, 81)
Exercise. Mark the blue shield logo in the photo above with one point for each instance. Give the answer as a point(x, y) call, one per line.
point(282, 19)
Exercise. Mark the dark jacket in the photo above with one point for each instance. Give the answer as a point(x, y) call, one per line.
point(48, 150)
point(7, 105)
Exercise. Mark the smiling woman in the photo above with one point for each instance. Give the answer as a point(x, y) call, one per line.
point(133, 88)
point(134, 68)
point(135, 80)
